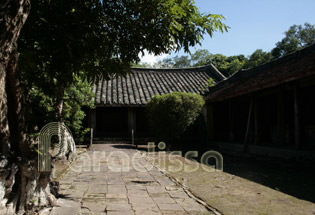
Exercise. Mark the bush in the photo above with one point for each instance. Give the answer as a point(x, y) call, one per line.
point(171, 114)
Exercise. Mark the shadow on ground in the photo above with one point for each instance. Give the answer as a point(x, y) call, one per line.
point(290, 177)
point(293, 177)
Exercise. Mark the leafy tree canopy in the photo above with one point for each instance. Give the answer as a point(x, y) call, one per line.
point(62, 38)
point(226, 65)
point(257, 58)
point(296, 38)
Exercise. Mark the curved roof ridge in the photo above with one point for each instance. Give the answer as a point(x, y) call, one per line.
point(173, 69)
point(209, 68)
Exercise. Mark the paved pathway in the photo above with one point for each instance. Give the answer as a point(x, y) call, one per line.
point(101, 182)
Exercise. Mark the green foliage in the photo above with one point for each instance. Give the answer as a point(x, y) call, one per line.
point(181, 62)
point(226, 65)
point(205, 88)
point(141, 65)
point(200, 57)
point(210, 82)
point(171, 114)
point(296, 38)
point(165, 63)
point(77, 95)
point(99, 38)
point(176, 62)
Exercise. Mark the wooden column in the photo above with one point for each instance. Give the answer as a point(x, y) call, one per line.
point(92, 120)
point(92, 125)
point(257, 119)
point(204, 114)
point(132, 123)
point(297, 119)
point(204, 130)
point(281, 118)
point(231, 122)
point(210, 122)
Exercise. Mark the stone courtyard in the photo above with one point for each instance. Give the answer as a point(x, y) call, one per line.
point(116, 179)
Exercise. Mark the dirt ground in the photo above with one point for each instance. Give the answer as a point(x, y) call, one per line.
point(248, 185)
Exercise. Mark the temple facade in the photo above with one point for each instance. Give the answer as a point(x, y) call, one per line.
point(120, 102)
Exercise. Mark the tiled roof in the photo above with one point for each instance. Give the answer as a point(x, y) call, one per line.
point(141, 84)
point(292, 67)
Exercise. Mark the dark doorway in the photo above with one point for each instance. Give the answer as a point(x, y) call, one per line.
point(111, 122)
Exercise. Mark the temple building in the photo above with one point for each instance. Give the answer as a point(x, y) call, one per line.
point(120, 102)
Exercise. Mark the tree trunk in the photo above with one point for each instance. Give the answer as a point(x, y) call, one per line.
point(13, 15)
point(32, 192)
point(21, 185)
point(8, 168)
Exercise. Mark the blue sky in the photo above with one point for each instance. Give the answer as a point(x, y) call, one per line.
point(254, 24)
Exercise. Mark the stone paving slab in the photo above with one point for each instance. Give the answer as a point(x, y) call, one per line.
point(66, 207)
point(116, 179)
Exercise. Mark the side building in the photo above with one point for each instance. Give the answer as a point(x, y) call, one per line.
point(267, 110)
